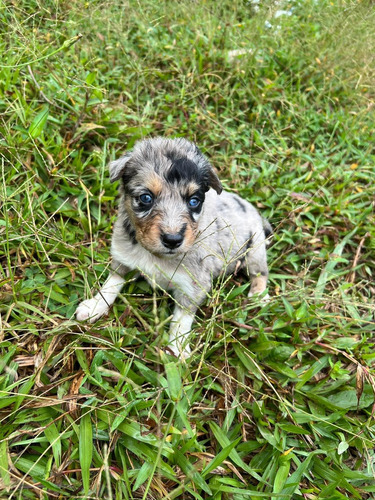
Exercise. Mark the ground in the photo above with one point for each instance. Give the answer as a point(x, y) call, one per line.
point(278, 400)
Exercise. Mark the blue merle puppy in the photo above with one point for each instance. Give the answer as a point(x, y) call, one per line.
point(179, 228)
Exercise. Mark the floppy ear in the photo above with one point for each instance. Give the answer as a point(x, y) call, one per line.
point(214, 182)
point(212, 178)
point(117, 167)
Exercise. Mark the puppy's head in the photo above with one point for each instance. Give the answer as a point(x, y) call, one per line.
point(164, 183)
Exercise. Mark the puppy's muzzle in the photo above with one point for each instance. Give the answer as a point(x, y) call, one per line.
point(172, 241)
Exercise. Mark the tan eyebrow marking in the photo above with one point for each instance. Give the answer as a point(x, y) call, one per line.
point(190, 189)
point(154, 184)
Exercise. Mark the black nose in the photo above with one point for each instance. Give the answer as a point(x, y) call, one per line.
point(172, 240)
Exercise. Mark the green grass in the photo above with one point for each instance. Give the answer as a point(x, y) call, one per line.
point(276, 402)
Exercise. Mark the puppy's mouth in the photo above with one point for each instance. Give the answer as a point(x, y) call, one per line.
point(170, 252)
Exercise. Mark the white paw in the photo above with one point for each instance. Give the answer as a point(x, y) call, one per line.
point(91, 309)
point(179, 351)
point(262, 299)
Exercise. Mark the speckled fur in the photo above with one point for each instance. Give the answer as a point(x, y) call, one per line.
point(226, 234)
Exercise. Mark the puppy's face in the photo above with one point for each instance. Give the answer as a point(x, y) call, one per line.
point(165, 182)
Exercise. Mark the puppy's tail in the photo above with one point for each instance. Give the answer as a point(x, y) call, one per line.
point(267, 230)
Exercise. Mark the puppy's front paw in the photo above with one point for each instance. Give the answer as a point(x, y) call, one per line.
point(178, 351)
point(91, 310)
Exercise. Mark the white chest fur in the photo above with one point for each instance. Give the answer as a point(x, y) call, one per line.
point(163, 273)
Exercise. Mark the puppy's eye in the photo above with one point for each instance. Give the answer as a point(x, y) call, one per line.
point(146, 199)
point(194, 202)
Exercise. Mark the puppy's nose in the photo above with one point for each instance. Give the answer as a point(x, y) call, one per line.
point(172, 240)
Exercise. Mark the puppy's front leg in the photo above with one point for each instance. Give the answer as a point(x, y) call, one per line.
point(183, 316)
point(179, 331)
point(93, 309)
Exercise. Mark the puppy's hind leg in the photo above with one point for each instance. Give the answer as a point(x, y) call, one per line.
point(257, 270)
point(93, 309)
point(258, 286)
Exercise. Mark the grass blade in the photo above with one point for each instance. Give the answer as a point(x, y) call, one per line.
point(4, 463)
point(174, 380)
point(39, 122)
point(224, 442)
point(220, 457)
point(54, 438)
point(85, 449)
point(191, 472)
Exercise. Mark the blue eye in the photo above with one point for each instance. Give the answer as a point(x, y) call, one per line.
point(194, 202)
point(146, 199)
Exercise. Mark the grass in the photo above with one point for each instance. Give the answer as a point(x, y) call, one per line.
point(277, 402)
